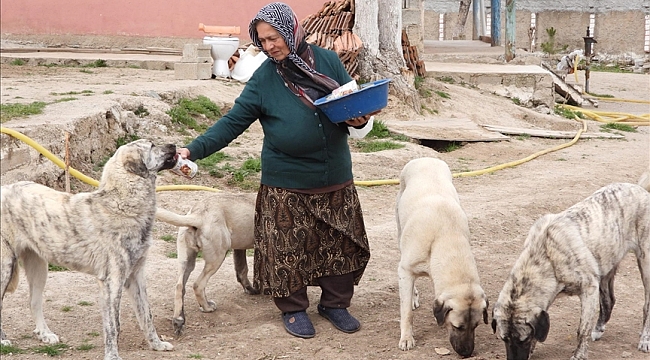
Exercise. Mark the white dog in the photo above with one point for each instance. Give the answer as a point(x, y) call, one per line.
point(105, 233)
point(219, 222)
point(434, 241)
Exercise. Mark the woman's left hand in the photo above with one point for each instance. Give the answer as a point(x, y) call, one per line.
point(361, 120)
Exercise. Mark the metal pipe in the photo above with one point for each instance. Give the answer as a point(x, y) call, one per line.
point(495, 27)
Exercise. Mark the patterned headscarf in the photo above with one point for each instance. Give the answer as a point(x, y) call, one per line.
point(298, 67)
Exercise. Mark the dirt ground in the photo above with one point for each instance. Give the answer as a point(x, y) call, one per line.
point(501, 206)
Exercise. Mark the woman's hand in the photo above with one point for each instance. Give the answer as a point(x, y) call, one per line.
point(361, 120)
point(183, 153)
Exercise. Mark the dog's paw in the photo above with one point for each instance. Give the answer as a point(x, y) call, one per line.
point(597, 333)
point(47, 337)
point(644, 343)
point(406, 343)
point(251, 290)
point(162, 346)
point(178, 323)
point(212, 306)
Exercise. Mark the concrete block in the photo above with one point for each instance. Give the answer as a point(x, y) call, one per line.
point(192, 71)
point(196, 51)
point(207, 59)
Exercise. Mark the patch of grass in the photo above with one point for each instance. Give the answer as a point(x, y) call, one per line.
point(85, 347)
point(125, 140)
point(195, 356)
point(168, 238)
point(52, 267)
point(442, 94)
point(567, 113)
point(250, 252)
point(172, 255)
point(614, 68)
point(107, 92)
point(93, 334)
point(601, 95)
point(86, 71)
point(65, 99)
point(66, 308)
point(369, 146)
point(85, 303)
point(99, 63)
point(17, 62)
point(419, 80)
point(446, 79)
point(50, 350)
point(10, 349)
point(100, 165)
point(210, 163)
point(141, 111)
point(516, 101)
point(82, 92)
point(617, 126)
point(240, 177)
point(187, 111)
point(523, 137)
point(453, 145)
point(12, 111)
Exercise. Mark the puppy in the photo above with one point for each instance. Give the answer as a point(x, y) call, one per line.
point(576, 252)
point(105, 233)
point(218, 223)
point(434, 241)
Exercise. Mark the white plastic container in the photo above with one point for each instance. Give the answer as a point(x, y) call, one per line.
point(185, 167)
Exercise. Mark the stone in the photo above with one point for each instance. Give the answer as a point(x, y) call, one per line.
point(192, 71)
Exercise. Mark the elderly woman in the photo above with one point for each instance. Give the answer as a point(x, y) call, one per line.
point(309, 228)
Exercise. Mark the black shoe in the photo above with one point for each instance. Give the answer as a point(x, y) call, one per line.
point(340, 318)
point(298, 324)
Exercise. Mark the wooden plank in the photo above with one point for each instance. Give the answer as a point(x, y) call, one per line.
point(446, 129)
point(550, 133)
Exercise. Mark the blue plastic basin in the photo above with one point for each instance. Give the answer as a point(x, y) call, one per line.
point(369, 98)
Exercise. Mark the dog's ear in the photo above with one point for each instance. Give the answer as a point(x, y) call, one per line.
point(440, 311)
point(541, 324)
point(485, 311)
point(137, 166)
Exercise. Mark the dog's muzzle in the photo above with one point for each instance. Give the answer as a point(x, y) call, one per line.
point(170, 156)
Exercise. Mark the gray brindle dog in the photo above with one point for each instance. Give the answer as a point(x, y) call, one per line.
point(105, 233)
point(576, 252)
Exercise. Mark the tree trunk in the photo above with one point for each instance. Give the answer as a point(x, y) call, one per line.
point(379, 26)
point(463, 11)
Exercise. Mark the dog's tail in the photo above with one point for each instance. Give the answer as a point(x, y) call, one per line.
point(179, 220)
point(644, 181)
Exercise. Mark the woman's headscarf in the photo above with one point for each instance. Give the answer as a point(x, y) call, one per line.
point(298, 67)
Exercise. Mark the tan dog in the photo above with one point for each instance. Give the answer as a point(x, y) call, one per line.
point(644, 180)
point(434, 241)
point(218, 223)
point(576, 252)
point(105, 233)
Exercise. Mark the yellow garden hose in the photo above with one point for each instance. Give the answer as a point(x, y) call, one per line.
point(79, 175)
point(609, 117)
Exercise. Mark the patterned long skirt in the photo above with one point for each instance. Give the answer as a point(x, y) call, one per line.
point(301, 237)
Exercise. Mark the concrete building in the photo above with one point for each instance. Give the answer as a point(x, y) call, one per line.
point(619, 26)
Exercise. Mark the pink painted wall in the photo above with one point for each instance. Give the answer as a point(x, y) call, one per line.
point(155, 18)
